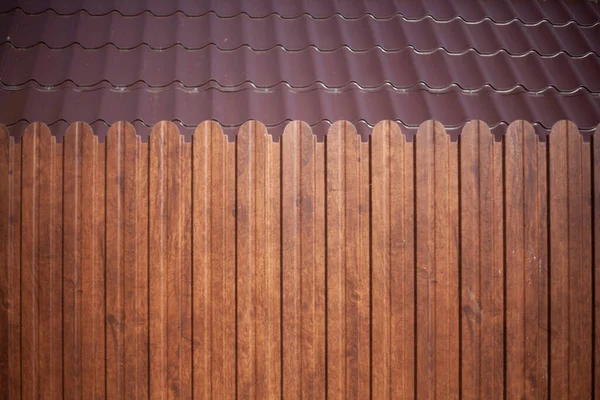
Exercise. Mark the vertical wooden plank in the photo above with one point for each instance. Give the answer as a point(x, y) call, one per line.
point(570, 263)
point(170, 263)
point(29, 244)
point(526, 263)
point(126, 263)
point(10, 266)
point(83, 269)
point(437, 263)
point(393, 277)
point(315, 333)
point(72, 322)
point(93, 260)
point(137, 376)
point(361, 276)
point(559, 259)
point(482, 274)
point(201, 271)
point(580, 263)
point(6, 268)
point(348, 269)
point(136, 279)
point(41, 259)
point(596, 266)
point(539, 299)
point(258, 264)
point(214, 273)
point(303, 274)
point(186, 339)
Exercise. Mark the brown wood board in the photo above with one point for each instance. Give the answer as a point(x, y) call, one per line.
point(392, 267)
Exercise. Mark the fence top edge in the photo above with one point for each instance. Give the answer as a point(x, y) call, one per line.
point(60, 129)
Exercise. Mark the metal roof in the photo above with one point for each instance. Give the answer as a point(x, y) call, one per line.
point(318, 61)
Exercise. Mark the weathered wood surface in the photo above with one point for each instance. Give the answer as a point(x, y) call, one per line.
point(526, 238)
point(253, 268)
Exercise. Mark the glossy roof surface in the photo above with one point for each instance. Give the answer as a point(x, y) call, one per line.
point(318, 61)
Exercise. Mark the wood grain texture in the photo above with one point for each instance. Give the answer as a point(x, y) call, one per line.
point(393, 277)
point(127, 353)
point(596, 266)
point(596, 258)
point(437, 273)
point(258, 266)
point(83, 268)
point(482, 264)
point(10, 266)
point(214, 263)
point(526, 263)
point(41, 263)
point(170, 282)
point(570, 263)
point(348, 270)
point(303, 263)
point(246, 267)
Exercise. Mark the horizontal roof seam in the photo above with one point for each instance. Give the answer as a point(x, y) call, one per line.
point(333, 15)
point(350, 85)
point(310, 47)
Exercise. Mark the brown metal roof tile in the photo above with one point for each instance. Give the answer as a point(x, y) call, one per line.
point(392, 34)
point(320, 61)
point(557, 12)
point(210, 67)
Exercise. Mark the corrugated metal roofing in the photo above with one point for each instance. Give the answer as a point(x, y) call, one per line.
point(318, 61)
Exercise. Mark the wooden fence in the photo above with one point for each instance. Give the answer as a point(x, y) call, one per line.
point(260, 269)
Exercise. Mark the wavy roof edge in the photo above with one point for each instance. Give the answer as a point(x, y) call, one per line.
point(332, 15)
point(310, 47)
point(556, 13)
point(451, 87)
